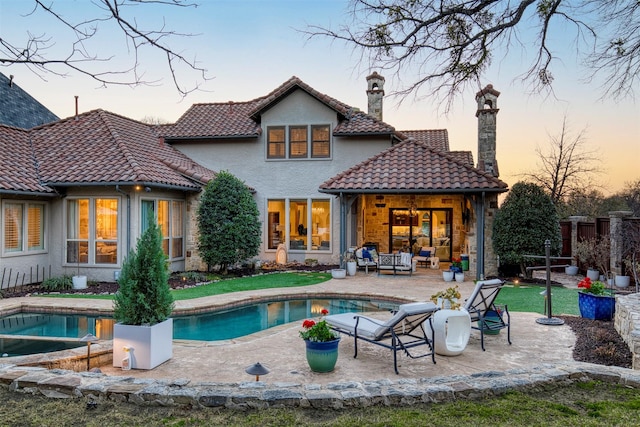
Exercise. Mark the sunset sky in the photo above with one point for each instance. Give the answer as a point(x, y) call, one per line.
point(250, 47)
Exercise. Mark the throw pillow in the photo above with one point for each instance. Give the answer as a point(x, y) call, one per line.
point(425, 253)
point(366, 255)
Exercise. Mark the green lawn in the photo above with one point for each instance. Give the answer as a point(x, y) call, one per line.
point(528, 299)
point(265, 281)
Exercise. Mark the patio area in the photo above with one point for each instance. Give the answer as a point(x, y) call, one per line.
point(282, 351)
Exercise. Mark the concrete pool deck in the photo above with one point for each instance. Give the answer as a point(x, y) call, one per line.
point(282, 351)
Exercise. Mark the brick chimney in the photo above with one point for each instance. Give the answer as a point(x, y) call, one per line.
point(375, 94)
point(487, 113)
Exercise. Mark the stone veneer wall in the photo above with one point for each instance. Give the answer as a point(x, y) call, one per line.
point(193, 261)
point(490, 259)
point(627, 323)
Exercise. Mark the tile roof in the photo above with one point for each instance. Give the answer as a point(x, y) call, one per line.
point(218, 120)
point(18, 173)
point(242, 119)
point(100, 148)
point(412, 167)
point(19, 109)
point(436, 139)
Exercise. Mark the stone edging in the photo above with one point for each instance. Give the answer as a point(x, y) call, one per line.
point(97, 387)
point(627, 323)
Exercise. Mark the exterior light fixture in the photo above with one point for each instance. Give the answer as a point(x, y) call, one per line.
point(257, 370)
point(89, 338)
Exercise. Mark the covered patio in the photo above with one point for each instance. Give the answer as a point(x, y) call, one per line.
point(412, 195)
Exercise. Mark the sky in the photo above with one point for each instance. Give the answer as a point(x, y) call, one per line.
point(250, 47)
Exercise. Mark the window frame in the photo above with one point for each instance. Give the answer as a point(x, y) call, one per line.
point(314, 150)
point(93, 241)
point(286, 224)
point(314, 142)
point(170, 237)
point(277, 144)
point(25, 227)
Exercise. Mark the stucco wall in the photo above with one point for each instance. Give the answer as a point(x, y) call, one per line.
point(286, 179)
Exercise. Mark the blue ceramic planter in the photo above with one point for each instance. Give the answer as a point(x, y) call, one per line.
point(322, 356)
point(596, 307)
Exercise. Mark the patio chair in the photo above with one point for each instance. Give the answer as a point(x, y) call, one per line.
point(483, 310)
point(402, 332)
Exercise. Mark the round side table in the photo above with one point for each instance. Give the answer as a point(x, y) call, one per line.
point(452, 329)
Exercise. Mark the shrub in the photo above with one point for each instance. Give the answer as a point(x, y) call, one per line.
point(144, 296)
point(56, 284)
point(228, 223)
point(526, 219)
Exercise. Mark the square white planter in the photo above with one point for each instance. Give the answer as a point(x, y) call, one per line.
point(149, 346)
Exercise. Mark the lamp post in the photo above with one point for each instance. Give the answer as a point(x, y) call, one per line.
point(549, 320)
point(89, 338)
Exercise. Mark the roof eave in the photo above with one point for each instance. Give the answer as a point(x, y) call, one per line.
point(194, 188)
point(29, 193)
point(169, 139)
point(415, 191)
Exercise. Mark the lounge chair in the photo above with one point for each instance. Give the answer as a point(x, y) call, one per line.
point(481, 303)
point(404, 331)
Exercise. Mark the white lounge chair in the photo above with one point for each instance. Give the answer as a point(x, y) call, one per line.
point(404, 331)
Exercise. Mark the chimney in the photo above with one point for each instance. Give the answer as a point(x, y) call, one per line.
point(76, 96)
point(487, 113)
point(375, 94)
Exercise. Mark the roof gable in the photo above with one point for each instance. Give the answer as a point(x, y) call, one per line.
point(242, 119)
point(19, 109)
point(413, 167)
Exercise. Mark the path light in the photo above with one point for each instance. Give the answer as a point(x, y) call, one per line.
point(89, 338)
point(257, 370)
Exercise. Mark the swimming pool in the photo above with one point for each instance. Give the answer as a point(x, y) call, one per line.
point(213, 326)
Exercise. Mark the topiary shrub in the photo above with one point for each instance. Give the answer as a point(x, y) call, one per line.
point(144, 296)
point(526, 219)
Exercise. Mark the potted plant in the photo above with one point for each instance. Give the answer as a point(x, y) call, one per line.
point(594, 255)
point(447, 275)
point(143, 304)
point(595, 300)
point(321, 344)
point(349, 258)
point(447, 299)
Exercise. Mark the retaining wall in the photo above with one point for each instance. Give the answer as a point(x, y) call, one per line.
point(627, 323)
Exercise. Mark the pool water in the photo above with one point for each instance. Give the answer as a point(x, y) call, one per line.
point(214, 326)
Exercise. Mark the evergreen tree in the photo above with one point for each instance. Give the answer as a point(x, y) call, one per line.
point(228, 222)
point(144, 295)
point(526, 219)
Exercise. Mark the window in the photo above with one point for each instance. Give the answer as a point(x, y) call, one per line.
point(23, 227)
point(309, 224)
point(275, 142)
point(298, 142)
point(169, 214)
point(293, 142)
point(320, 141)
point(92, 231)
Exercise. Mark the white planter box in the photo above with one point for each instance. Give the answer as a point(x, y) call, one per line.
point(149, 346)
point(79, 282)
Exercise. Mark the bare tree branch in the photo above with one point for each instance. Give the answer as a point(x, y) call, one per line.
point(36, 52)
point(448, 45)
point(566, 165)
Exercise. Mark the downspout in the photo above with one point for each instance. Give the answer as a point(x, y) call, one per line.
point(128, 231)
